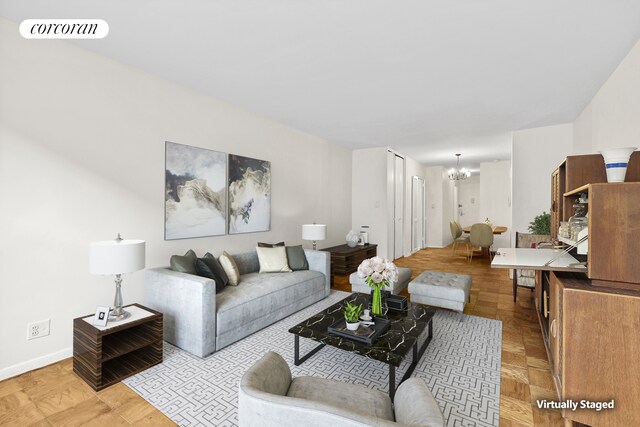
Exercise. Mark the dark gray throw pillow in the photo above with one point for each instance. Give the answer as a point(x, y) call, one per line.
point(184, 263)
point(297, 259)
point(208, 266)
point(270, 245)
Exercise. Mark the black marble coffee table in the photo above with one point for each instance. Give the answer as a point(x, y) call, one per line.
point(391, 347)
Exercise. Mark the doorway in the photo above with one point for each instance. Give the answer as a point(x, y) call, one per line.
point(417, 214)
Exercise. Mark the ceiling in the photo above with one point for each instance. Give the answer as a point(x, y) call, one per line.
point(429, 78)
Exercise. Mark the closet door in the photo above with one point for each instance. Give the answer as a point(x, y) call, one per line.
point(398, 210)
point(417, 213)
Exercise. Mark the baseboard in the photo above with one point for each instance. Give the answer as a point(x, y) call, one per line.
point(36, 363)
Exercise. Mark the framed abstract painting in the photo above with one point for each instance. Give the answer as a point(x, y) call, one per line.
point(195, 199)
point(249, 195)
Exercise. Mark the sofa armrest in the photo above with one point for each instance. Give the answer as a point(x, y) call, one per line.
point(415, 405)
point(320, 261)
point(188, 303)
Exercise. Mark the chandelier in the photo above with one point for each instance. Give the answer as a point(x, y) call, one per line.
point(458, 174)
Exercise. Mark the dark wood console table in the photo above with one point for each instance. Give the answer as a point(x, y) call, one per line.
point(345, 260)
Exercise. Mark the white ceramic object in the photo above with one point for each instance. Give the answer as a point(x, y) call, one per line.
point(352, 239)
point(616, 161)
point(352, 326)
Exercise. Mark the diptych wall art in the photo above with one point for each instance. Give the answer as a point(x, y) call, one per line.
point(195, 192)
point(249, 195)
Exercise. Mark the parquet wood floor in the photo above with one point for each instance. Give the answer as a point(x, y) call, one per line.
point(55, 396)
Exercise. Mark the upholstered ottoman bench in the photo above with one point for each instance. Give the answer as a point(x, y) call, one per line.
point(439, 289)
point(359, 285)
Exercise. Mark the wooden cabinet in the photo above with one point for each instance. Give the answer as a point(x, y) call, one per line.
point(557, 191)
point(590, 322)
point(345, 260)
point(577, 171)
point(593, 344)
point(613, 216)
point(103, 356)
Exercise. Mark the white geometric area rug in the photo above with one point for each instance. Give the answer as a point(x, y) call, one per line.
point(461, 366)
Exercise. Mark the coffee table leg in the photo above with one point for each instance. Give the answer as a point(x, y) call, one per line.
point(417, 355)
point(392, 381)
point(296, 350)
point(297, 360)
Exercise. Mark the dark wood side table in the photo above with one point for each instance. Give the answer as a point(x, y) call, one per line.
point(102, 356)
point(345, 260)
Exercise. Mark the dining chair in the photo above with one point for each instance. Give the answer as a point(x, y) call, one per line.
point(481, 235)
point(525, 278)
point(458, 238)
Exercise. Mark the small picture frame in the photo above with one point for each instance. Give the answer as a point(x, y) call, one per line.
point(363, 238)
point(102, 316)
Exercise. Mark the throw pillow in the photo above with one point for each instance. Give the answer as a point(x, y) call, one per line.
point(296, 258)
point(208, 266)
point(270, 245)
point(273, 260)
point(230, 268)
point(184, 263)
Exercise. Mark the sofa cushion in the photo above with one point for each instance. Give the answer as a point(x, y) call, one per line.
point(273, 260)
point(208, 266)
point(184, 263)
point(258, 295)
point(230, 268)
point(359, 400)
point(270, 245)
point(296, 258)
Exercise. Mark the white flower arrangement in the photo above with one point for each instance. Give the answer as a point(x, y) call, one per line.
point(377, 270)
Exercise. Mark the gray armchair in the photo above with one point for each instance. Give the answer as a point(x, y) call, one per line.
point(269, 396)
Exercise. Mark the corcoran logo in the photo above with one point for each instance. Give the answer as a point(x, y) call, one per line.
point(64, 29)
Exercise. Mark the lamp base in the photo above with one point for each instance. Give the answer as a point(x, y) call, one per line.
point(118, 314)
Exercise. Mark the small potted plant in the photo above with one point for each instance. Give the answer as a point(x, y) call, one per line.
point(352, 315)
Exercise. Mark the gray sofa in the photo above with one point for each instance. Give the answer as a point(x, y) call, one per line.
point(198, 320)
point(269, 396)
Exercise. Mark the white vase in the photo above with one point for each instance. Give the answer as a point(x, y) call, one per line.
point(616, 161)
point(352, 326)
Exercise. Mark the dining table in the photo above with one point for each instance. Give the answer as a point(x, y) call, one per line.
point(497, 229)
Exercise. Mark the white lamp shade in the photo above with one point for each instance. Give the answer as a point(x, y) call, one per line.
point(314, 231)
point(116, 257)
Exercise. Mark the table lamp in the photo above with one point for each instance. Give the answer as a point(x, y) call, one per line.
point(314, 232)
point(117, 257)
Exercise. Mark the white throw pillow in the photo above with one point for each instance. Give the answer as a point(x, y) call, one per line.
point(273, 260)
point(229, 266)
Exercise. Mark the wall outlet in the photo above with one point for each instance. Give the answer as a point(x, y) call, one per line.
point(38, 329)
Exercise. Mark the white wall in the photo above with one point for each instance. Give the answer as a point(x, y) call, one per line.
point(495, 198)
point(611, 118)
point(448, 208)
point(535, 155)
point(434, 199)
point(372, 197)
point(82, 158)
point(369, 196)
point(469, 198)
